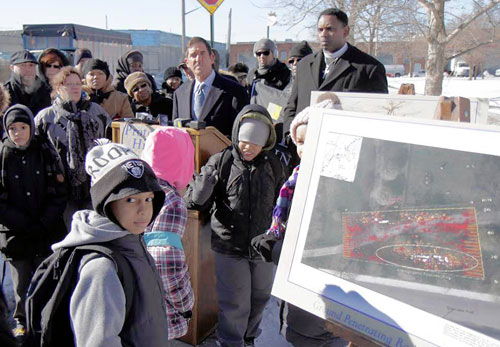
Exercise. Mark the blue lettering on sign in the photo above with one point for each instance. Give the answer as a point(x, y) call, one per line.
point(138, 143)
point(401, 343)
point(367, 330)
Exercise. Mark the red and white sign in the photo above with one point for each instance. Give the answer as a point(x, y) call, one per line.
point(210, 5)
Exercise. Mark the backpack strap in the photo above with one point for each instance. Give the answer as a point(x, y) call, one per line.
point(276, 165)
point(224, 165)
point(47, 329)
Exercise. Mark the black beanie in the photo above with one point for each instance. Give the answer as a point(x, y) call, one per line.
point(300, 50)
point(16, 114)
point(172, 72)
point(81, 53)
point(95, 64)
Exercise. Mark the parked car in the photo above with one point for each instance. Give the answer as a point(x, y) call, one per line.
point(420, 73)
point(394, 70)
point(497, 73)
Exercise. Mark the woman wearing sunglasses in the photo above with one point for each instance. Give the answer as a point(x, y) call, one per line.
point(51, 61)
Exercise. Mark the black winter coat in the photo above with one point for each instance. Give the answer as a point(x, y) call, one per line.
point(244, 202)
point(277, 76)
point(355, 71)
point(159, 105)
point(36, 99)
point(33, 196)
point(30, 212)
point(244, 196)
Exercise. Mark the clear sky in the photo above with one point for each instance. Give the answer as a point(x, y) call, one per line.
point(249, 17)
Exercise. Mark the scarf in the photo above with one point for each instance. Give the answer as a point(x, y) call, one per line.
point(98, 96)
point(331, 58)
point(80, 134)
point(283, 204)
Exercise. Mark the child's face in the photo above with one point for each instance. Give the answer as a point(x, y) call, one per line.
point(300, 138)
point(19, 133)
point(249, 150)
point(134, 212)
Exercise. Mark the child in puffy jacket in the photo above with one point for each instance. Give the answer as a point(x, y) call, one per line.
point(32, 199)
point(242, 182)
point(170, 153)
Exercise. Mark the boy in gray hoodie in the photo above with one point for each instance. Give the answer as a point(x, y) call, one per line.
point(126, 198)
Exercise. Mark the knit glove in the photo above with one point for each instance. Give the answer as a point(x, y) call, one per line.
point(263, 244)
point(204, 185)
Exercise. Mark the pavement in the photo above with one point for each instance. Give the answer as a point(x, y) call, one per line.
point(270, 322)
point(269, 325)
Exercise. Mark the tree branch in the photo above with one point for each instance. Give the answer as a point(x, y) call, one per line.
point(469, 20)
point(473, 48)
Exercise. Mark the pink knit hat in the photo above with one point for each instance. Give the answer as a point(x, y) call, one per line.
point(170, 152)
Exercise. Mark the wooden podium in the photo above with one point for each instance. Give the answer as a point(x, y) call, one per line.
point(196, 240)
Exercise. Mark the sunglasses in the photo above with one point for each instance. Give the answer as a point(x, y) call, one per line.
point(266, 53)
point(136, 89)
point(54, 66)
point(293, 61)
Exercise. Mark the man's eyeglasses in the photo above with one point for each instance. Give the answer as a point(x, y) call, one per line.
point(55, 66)
point(136, 89)
point(293, 61)
point(266, 53)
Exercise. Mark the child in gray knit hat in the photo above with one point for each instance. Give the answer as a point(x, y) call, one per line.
point(126, 198)
point(242, 183)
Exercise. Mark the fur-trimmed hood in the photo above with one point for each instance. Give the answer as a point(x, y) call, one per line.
point(257, 112)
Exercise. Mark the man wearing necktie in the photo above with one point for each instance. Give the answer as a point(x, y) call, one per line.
point(337, 66)
point(210, 97)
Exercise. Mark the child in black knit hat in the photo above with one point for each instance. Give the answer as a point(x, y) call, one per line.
point(126, 198)
point(32, 200)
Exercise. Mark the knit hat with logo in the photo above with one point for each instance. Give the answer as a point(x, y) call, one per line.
point(117, 172)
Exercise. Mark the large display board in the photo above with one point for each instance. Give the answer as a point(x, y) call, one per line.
point(394, 230)
point(414, 106)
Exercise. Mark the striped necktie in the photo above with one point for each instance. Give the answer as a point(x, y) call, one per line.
point(199, 99)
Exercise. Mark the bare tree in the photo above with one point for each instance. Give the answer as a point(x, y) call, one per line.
point(374, 21)
point(472, 42)
point(438, 38)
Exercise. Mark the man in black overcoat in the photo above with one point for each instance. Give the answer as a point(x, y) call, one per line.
point(337, 66)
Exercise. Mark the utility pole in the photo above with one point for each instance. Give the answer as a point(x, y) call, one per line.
point(183, 16)
point(228, 48)
point(212, 30)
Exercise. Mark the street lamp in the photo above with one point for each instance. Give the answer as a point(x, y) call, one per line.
point(271, 21)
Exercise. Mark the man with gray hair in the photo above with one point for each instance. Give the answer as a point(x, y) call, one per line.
point(24, 86)
point(275, 73)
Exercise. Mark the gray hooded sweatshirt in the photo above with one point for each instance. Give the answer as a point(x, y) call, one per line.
point(97, 305)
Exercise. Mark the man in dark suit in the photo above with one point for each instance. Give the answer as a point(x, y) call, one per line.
point(338, 66)
point(209, 97)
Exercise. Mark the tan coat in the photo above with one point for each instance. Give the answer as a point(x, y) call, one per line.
point(117, 104)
